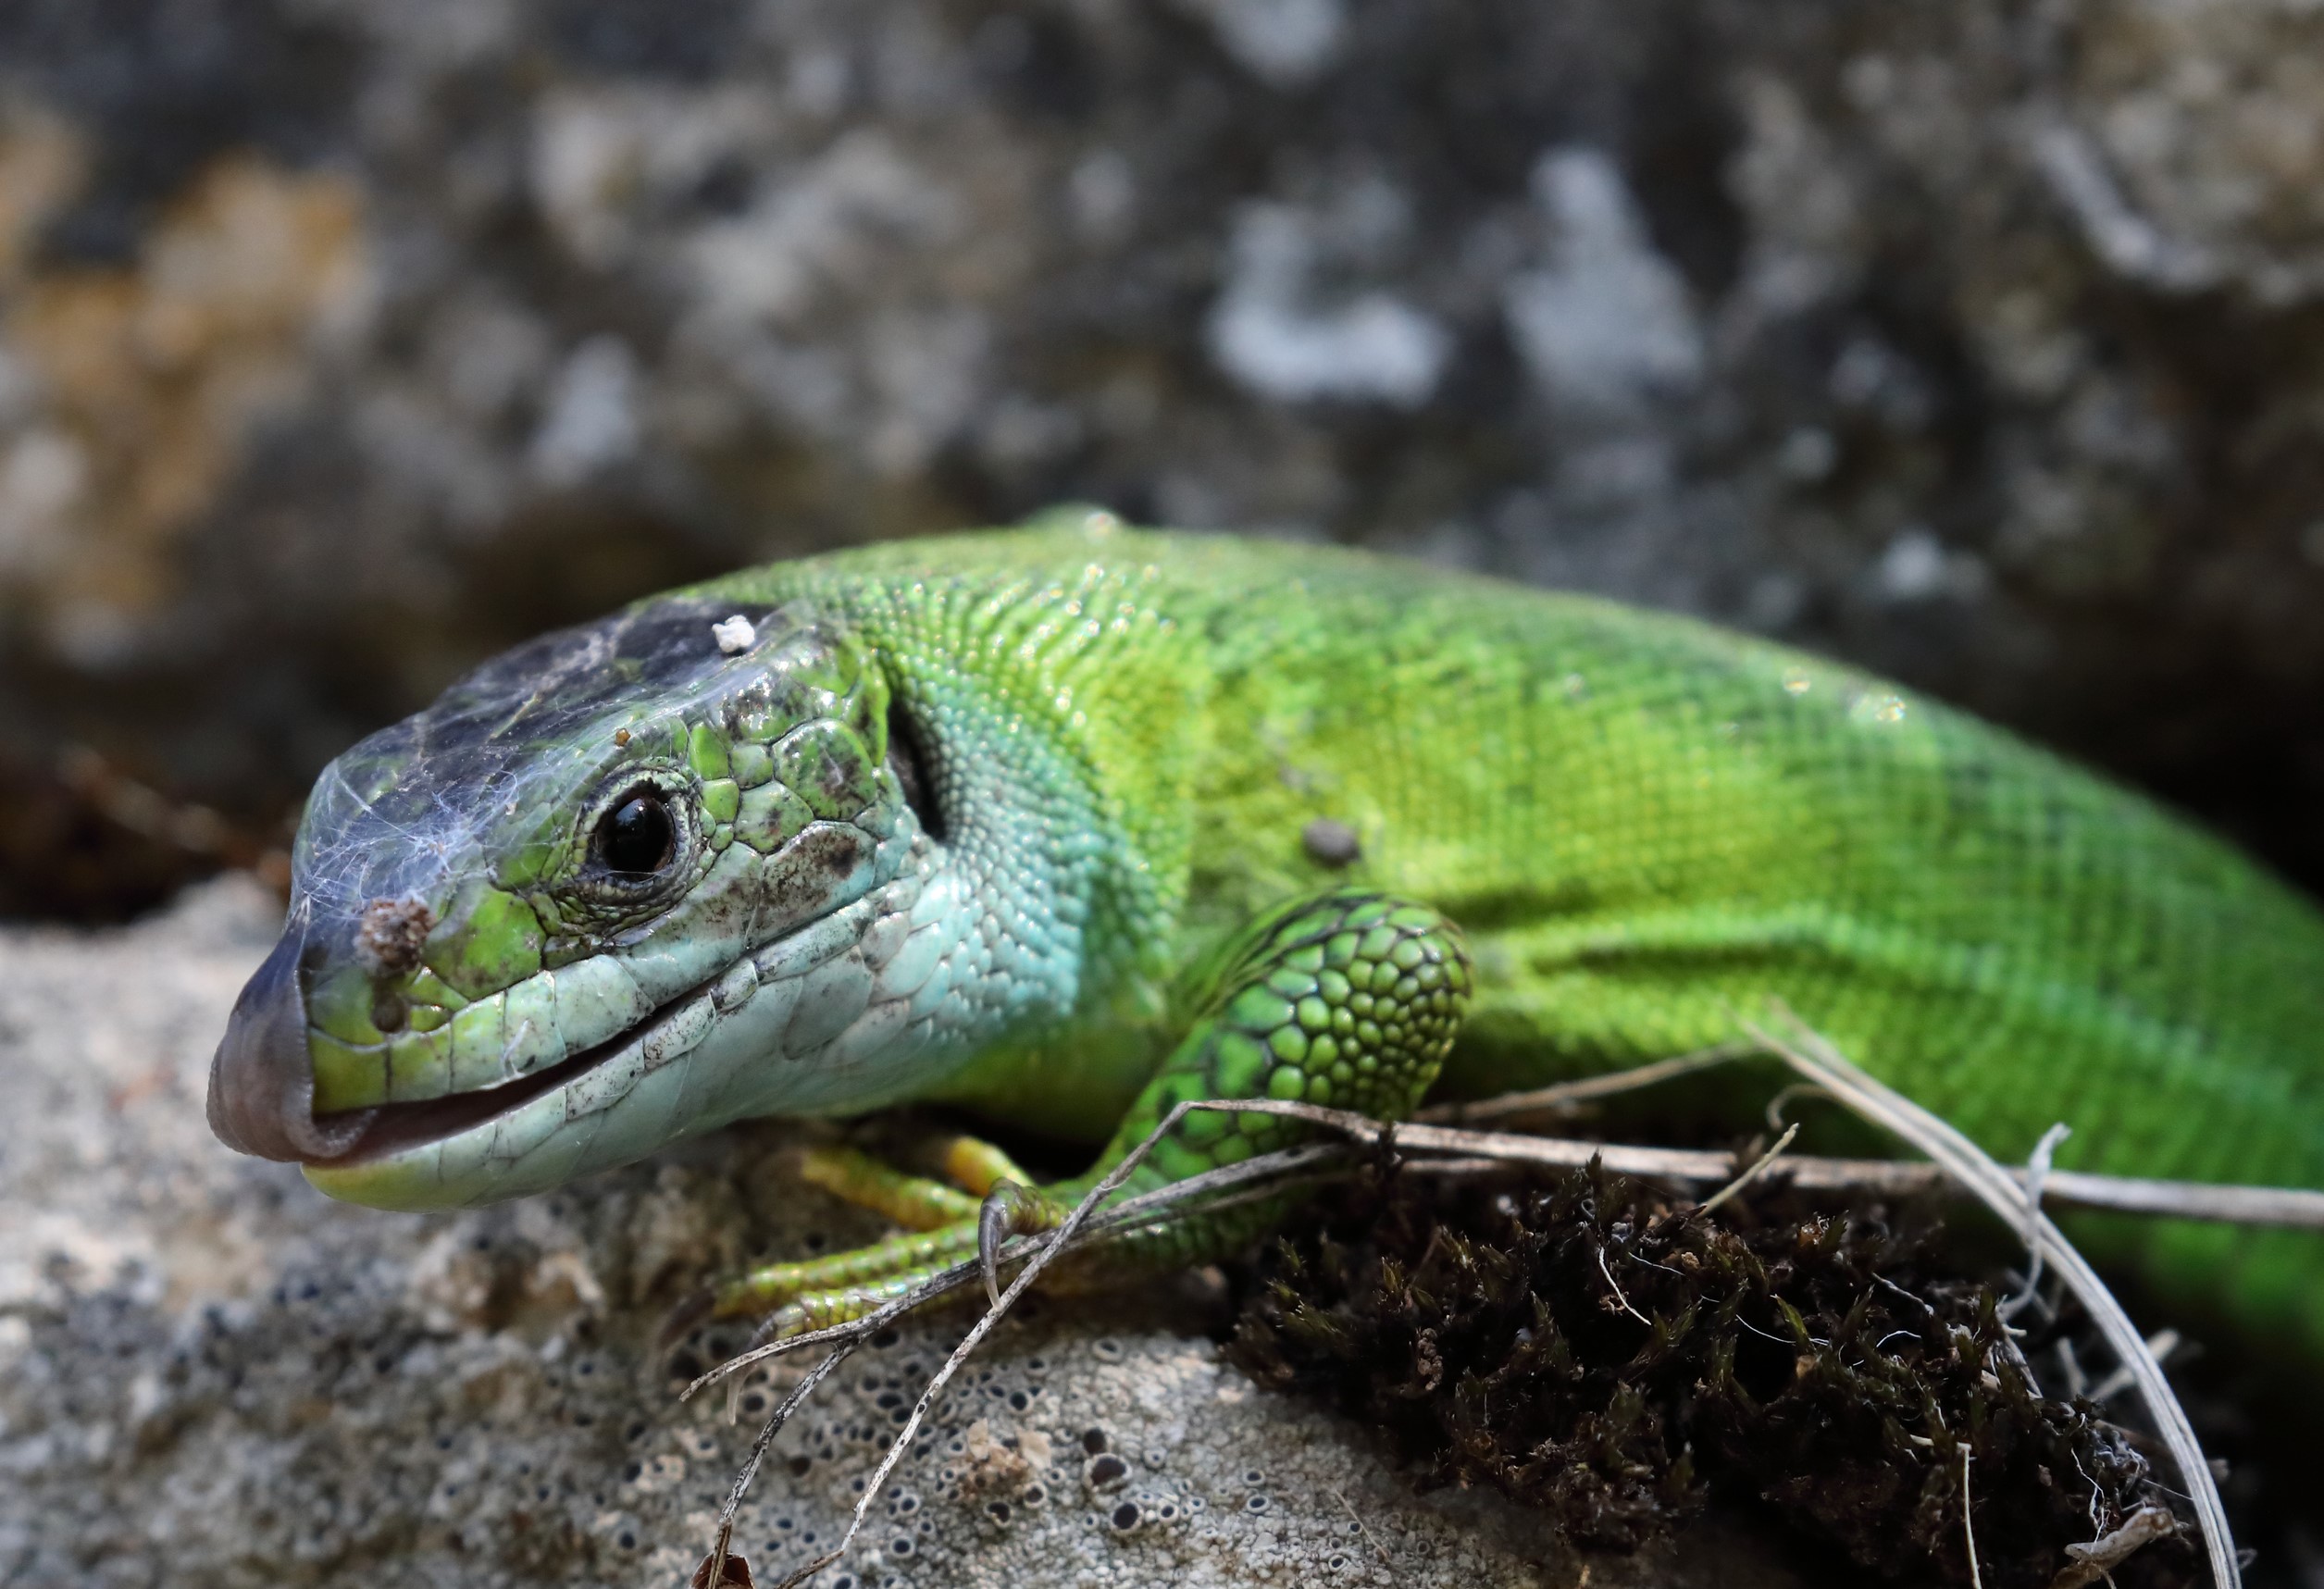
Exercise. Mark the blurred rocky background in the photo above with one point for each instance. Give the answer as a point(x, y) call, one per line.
point(343, 341)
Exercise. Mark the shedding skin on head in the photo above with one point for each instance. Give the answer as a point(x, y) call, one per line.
point(390, 935)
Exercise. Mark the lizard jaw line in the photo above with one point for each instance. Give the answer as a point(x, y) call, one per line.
point(394, 1128)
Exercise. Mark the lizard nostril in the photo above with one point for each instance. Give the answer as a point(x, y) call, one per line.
point(389, 1010)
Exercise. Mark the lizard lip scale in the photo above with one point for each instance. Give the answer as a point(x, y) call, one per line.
point(388, 1128)
point(262, 1082)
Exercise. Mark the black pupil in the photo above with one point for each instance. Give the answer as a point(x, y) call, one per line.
point(636, 836)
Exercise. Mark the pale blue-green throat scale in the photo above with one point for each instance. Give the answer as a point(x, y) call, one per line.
point(1071, 823)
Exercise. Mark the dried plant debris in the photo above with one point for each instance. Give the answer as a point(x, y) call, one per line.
point(1614, 1356)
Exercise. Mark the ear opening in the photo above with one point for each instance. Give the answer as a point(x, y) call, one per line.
point(908, 758)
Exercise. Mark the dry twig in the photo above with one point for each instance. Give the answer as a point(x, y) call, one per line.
point(1365, 1529)
point(2037, 1170)
point(1275, 1169)
point(1757, 1166)
point(1969, 1529)
point(714, 1572)
point(1621, 1299)
point(2291, 1206)
point(1566, 1098)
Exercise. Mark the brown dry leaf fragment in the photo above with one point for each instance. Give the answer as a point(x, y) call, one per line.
point(733, 1573)
point(2109, 1551)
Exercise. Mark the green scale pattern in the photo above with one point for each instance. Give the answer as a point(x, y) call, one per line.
point(1349, 999)
point(1647, 828)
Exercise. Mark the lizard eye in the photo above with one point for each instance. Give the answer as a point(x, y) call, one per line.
point(637, 836)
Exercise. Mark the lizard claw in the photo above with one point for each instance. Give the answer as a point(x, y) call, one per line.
point(1010, 1210)
point(1000, 1217)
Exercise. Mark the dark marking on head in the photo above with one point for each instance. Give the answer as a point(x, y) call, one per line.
point(388, 935)
point(388, 815)
point(389, 1011)
point(798, 888)
point(1330, 843)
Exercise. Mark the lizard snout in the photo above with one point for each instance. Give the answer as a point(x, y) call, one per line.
point(262, 1079)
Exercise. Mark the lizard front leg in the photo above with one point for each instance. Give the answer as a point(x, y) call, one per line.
point(1348, 998)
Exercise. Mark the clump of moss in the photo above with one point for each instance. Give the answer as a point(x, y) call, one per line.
point(1599, 1351)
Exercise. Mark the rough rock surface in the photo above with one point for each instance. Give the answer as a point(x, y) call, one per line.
point(344, 341)
point(212, 1376)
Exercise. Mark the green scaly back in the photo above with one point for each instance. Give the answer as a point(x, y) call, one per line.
point(1647, 826)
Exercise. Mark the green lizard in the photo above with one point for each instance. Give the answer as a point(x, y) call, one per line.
point(1070, 823)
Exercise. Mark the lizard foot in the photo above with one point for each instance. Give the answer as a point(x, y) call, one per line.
point(983, 1200)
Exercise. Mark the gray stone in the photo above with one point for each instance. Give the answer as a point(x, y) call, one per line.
point(210, 1375)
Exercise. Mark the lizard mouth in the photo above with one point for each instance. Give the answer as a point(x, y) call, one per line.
point(611, 1102)
point(383, 1130)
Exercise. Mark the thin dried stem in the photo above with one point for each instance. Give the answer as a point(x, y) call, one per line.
point(1757, 1167)
point(2163, 1344)
point(2294, 1207)
point(716, 1574)
point(1969, 1529)
point(1276, 1168)
point(1786, 1099)
point(2037, 1170)
point(1566, 1097)
point(1620, 1299)
point(935, 1286)
point(1361, 1527)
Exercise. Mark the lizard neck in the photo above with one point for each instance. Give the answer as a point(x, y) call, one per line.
point(1061, 721)
point(1062, 714)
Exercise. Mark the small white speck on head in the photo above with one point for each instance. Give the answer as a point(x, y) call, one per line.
point(735, 636)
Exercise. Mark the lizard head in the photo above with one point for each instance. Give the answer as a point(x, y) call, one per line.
point(612, 887)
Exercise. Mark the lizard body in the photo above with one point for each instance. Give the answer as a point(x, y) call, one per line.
point(1068, 821)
